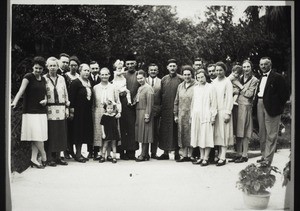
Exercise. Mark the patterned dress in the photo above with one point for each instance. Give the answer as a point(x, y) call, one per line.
point(57, 100)
point(101, 94)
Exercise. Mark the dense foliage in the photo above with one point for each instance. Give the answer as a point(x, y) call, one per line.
point(154, 33)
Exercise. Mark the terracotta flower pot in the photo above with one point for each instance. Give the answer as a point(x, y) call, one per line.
point(258, 202)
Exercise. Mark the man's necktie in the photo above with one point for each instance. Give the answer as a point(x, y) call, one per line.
point(152, 81)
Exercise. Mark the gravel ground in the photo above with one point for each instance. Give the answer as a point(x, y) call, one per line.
point(129, 185)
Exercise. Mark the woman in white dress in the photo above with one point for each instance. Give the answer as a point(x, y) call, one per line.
point(203, 114)
point(223, 133)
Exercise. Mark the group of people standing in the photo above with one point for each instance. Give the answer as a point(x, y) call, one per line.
point(197, 113)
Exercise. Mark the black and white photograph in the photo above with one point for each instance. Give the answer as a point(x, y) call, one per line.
point(150, 105)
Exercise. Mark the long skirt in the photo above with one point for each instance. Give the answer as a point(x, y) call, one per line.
point(34, 127)
point(57, 134)
point(244, 121)
point(143, 131)
point(97, 115)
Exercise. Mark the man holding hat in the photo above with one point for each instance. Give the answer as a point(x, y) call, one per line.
point(127, 120)
point(168, 128)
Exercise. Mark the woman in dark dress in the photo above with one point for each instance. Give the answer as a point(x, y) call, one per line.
point(80, 95)
point(34, 117)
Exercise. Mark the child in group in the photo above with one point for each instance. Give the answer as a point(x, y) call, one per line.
point(110, 131)
point(120, 81)
point(236, 73)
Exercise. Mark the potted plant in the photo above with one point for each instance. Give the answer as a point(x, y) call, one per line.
point(254, 181)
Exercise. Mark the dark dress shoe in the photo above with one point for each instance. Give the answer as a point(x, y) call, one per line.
point(97, 158)
point(163, 157)
point(184, 159)
point(67, 155)
point(234, 159)
point(61, 162)
point(193, 159)
point(177, 157)
point(154, 156)
point(241, 160)
point(205, 163)
point(124, 157)
point(221, 162)
point(44, 163)
point(34, 165)
point(102, 160)
point(114, 160)
point(80, 159)
point(197, 162)
point(260, 160)
point(86, 159)
point(131, 157)
point(109, 158)
point(147, 157)
point(90, 155)
point(140, 158)
point(51, 163)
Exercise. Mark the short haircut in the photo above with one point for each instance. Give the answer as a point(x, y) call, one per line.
point(197, 59)
point(222, 64)
point(109, 103)
point(52, 58)
point(141, 72)
point(39, 60)
point(211, 65)
point(93, 62)
point(266, 57)
point(104, 68)
point(189, 68)
point(238, 69)
point(205, 74)
point(153, 65)
point(82, 65)
point(75, 59)
point(64, 54)
point(248, 61)
point(172, 61)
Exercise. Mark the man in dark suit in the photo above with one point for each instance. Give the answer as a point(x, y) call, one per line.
point(64, 61)
point(94, 73)
point(155, 82)
point(271, 96)
point(94, 79)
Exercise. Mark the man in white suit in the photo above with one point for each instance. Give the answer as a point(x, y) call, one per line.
point(155, 82)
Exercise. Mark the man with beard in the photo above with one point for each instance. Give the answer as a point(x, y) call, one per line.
point(168, 128)
point(127, 120)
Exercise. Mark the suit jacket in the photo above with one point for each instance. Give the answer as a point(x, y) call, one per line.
point(276, 94)
point(157, 99)
point(93, 83)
